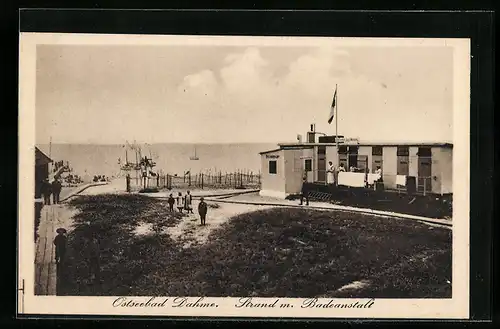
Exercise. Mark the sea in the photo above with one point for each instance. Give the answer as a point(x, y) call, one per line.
point(87, 160)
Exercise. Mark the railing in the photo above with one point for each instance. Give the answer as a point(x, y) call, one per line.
point(399, 183)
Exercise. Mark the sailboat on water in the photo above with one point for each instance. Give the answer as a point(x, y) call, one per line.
point(194, 157)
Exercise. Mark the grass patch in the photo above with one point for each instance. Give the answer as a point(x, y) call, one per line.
point(213, 205)
point(149, 190)
point(277, 252)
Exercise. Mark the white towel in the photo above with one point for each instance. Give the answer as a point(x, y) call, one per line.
point(352, 179)
point(401, 180)
point(372, 178)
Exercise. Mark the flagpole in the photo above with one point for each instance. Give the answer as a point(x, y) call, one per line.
point(337, 127)
point(336, 116)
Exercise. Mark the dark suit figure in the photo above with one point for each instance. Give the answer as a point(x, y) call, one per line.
point(171, 202)
point(46, 191)
point(305, 191)
point(202, 210)
point(56, 190)
point(60, 242)
point(127, 178)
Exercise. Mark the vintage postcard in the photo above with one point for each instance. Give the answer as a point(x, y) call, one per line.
point(230, 176)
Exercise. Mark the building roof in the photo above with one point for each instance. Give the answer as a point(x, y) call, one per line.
point(40, 158)
point(293, 147)
point(270, 151)
point(442, 144)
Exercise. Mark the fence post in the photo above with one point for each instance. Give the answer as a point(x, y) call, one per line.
point(202, 181)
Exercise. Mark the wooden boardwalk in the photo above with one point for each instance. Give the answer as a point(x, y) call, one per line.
point(52, 217)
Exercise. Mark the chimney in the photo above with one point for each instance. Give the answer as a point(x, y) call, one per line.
point(313, 127)
point(311, 137)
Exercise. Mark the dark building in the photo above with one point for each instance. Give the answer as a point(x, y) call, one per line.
point(41, 170)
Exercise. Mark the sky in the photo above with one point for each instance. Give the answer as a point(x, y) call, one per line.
point(109, 94)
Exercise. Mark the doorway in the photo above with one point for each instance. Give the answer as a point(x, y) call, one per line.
point(322, 164)
point(424, 184)
point(353, 156)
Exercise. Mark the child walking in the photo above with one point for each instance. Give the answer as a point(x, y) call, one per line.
point(202, 210)
point(171, 202)
point(60, 243)
point(180, 202)
point(188, 203)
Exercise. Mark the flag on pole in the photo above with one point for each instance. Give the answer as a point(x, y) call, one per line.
point(332, 109)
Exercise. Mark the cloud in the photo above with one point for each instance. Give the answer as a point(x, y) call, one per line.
point(247, 86)
point(317, 72)
point(203, 82)
point(245, 71)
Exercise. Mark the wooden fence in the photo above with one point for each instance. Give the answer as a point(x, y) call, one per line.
point(234, 180)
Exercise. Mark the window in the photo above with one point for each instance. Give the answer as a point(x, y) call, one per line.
point(424, 152)
point(342, 149)
point(321, 149)
point(377, 150)
point(273, 169)
point(308, 165)
point(403, 151)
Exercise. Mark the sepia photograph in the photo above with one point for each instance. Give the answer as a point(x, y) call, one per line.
point(184, 170)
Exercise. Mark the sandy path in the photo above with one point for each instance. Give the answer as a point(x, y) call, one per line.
point(189, 231)
point(115, 186)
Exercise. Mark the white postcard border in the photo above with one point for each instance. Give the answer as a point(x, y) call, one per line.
point(456, 307)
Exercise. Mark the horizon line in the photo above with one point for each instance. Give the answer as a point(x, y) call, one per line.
point(156, 143)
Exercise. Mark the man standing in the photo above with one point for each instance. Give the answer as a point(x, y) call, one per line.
point(46, 191)
point(305, 190)
point(128, 182)
point(56, 190)
point(202, 210)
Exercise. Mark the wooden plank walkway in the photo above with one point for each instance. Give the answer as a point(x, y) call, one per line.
point(52, 217)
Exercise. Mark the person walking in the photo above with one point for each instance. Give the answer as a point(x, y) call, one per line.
point(171, 202)
point(188, 202)
point(60, 242)
point(56, 190)
point(202, 210)
point(180, 202)
point(305, 190)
